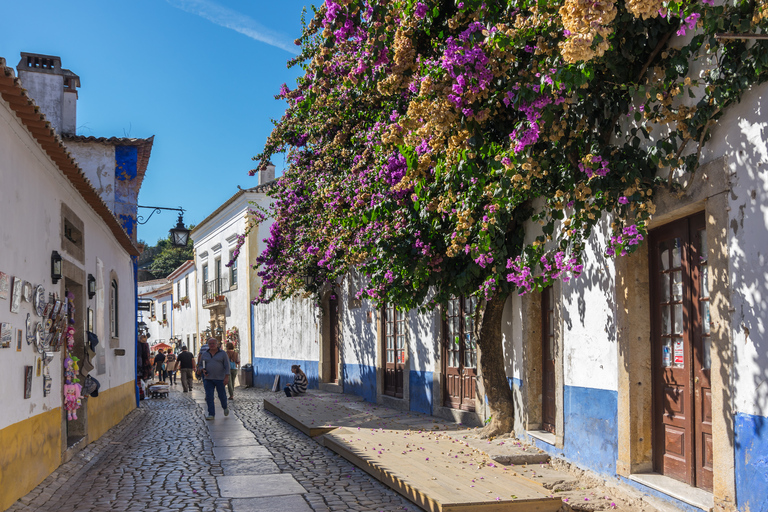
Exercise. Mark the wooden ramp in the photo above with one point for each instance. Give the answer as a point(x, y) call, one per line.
point(417, 455)
point(438, 472)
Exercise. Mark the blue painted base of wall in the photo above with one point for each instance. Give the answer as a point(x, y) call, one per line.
point(420, 391)
point(265, 369)
point(751, 436)
point(591, 432)
point(360, 380)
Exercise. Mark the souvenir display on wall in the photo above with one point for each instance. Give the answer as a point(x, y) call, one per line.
point(19, 338)
point(38, 367)
point(4, 285)
point(6, 335)
point(16, 291)
point(72, 388)
point(39, 300)
point(28, 381)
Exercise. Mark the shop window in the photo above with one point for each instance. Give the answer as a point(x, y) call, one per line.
point(113, 311)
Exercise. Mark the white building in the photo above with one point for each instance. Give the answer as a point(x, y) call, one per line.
point(224, 294)
point(649, 369)
point(54, 222)
point(184, 324)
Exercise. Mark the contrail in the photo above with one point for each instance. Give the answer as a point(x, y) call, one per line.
point(236, 21)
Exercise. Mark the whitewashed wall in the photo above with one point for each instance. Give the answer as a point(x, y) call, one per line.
point(98, 164)
point(185, 318)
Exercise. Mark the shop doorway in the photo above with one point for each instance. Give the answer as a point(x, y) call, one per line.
point(548, 391)
point(460, 354)
point(394, 351)
point(680, 329)
point(76, 429)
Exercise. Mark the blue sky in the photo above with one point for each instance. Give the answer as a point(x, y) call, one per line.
point(199, 75)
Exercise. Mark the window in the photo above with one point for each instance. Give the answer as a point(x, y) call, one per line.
point(113, 316)
point(218, 267)
point(394, 349)
point(186, 286)
point(205, 279)
point(178, 290)
point(165, 313)
point(152, 309)
point(232, 269)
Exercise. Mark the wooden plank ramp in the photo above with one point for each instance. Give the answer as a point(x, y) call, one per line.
point(419, 456)
point(439, 473)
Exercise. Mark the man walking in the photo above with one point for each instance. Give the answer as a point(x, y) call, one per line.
point(186, 368)
point(215, 366)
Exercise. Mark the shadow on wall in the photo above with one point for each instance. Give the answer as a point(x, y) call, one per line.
point(358, 341)
point(747, 250)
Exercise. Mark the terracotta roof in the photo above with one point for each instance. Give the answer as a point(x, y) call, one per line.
point(180, 270)
point(144, 148)
point(261, 189)
point(30, 116)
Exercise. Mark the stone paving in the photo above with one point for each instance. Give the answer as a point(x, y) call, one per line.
point(165, 456)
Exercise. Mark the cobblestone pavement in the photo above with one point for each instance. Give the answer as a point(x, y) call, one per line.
point(161, 457)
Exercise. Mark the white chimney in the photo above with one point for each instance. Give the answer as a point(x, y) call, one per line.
point(54, 89)
point(267, 174)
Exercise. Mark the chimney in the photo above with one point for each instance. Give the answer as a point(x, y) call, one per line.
point(54, 89)
point(267, 174)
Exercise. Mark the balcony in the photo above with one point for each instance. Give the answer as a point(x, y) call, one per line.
point(213, 293)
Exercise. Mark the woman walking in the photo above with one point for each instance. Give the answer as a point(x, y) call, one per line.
point(234, 363)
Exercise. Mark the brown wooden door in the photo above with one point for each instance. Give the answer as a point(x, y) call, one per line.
point(333, 306)
point(682, 395)
point(548, 360)
point(460, 354)
point(394, 351)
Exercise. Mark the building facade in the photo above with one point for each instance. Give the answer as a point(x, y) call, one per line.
point(66, 258)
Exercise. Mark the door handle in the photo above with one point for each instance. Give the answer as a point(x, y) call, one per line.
point(696, 380)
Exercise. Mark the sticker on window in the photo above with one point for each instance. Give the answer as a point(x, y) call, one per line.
point(679, 361)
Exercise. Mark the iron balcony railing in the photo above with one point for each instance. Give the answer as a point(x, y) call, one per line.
point(213, 290)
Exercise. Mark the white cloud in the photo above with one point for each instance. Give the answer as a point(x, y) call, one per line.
point(236, 21)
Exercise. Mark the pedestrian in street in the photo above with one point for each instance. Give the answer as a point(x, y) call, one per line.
point(171, 366)
point(145, 364)
point(299, 386)
point(215, 368)
point(186, 366)
point(234, 364)
point(160, 365)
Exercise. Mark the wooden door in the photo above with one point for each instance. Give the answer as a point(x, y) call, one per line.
point(394, 351)
point(548, 360)
point(460, 354)
point(702, 360)
point(333, 306)
point(680, 331)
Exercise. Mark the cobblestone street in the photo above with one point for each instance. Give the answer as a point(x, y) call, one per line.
point(165, 456)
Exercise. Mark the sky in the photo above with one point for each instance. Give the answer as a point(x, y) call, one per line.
point(199, 75)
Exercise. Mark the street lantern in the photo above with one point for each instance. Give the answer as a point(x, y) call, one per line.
point(308, 280)
point(179, 234)
point(55, 267)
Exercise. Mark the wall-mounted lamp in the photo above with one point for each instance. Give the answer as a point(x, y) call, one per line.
point(55, 267)
point(91, 286)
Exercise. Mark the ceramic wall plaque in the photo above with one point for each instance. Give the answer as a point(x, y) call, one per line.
point(19, 338)
point(27, 291)
point(16, 292)
point(6, 335)
point(39, 300)
point(30, 330)
point(28, 370)
point(39, 367)
point(5, 285)
point(47, 380)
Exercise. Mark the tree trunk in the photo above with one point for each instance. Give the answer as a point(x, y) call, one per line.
point(492, 367)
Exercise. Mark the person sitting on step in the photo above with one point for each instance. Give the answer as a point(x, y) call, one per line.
point(299, 386)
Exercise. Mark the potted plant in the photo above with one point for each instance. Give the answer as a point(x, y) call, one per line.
point(220, 298)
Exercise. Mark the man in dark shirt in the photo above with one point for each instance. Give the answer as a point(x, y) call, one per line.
point(159, 362)
point(186, 368)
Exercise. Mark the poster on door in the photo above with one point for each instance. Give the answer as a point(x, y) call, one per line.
point(679, 360)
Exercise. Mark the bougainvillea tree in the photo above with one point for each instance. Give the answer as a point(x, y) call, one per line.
point(468, 147)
